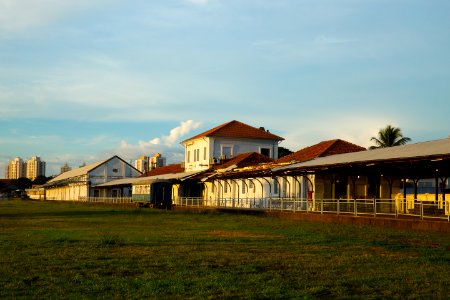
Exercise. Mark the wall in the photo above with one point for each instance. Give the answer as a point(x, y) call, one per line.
point(70, 192)
point(191, 162)
point(215, 149)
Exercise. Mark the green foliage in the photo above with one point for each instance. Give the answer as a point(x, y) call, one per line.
point(283, 152)
point(40, 180)
point(22, 183)
point(389, 137)
point(62, 250)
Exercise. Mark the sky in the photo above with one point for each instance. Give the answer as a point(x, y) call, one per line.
point(82, 80)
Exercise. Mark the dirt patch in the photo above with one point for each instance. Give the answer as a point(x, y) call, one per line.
point(240, 234)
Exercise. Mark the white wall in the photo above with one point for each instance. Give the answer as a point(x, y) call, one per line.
point(112, 169)
point(199, 152)
point(115, 168)
point(197, 155)
point(246, 192)
point(70, 192)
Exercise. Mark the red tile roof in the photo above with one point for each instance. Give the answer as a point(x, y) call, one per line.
point(322, 149)
point(170, 169)
point(245, 159)
point(236, 129)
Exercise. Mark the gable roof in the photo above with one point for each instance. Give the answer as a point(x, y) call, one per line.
point(77, 172)
point(236, 129)
point(84, 170)
point(245, 160)
point(438, 149)
point(169, 169)
point(322, 149)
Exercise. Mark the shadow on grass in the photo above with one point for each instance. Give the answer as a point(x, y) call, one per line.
point(71, 213)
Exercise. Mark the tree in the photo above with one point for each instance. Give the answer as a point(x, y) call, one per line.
point(41, 180)
point(283, 152)
point(22, 183)
point(389, 137)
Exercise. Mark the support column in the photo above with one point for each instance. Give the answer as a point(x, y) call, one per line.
point(404, 188)
point(444, 185)
point(436, 192)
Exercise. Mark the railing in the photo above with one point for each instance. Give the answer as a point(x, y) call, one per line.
point(109, 200)
point(250, 203)
point(356, 207)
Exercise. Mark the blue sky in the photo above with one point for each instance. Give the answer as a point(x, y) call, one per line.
point(82, 80)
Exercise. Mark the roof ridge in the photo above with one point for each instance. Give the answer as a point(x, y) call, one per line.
point(236, 129)
point(331, 143)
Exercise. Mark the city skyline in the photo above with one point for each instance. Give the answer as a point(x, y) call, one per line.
point(83, 80)
point(31, 168)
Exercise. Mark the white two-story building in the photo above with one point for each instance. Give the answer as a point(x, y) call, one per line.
point(226, 141)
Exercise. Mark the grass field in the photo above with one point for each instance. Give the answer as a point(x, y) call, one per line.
point(64, 250)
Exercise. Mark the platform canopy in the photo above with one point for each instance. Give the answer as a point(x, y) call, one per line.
point(421, 160)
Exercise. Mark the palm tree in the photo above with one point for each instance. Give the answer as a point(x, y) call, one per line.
point(389, 137)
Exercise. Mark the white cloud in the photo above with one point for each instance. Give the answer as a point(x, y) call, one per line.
point(20, 15)
point(164, 145)
point(177, 132)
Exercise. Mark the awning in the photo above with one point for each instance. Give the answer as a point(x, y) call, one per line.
point(168, 177)
point(420, 151)
point(118, 182)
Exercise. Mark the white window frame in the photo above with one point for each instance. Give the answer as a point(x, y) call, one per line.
point(227, 146)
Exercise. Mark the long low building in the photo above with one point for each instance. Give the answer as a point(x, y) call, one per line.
point(384, 172)
point(86, 181)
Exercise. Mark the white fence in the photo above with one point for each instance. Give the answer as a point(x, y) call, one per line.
point(356, 207)
point(109, 200)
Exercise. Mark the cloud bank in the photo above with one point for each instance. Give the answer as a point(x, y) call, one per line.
point(166, 144)
point(20, 15)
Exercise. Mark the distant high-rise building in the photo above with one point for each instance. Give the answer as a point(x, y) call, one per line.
point(15, 169)
point(146, 164)
point(142, 164)
point(35, 167)
point(157, 161)
point(65, 168)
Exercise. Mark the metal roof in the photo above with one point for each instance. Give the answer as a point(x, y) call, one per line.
point(123, 181)
point(77, 172)
point(430, 149)
point(173, 176)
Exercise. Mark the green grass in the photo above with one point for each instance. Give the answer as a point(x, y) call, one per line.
point(64, 250)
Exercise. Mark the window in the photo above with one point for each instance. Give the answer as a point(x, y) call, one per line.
point(227, 152)
point(284, 186)
point(196, 155)
point(115, 170)
point(225, 186)
point(204, 153)
point(275, 187)
point(243, 186)
point(265, 152)
point(251, 185)
point(189, 156)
